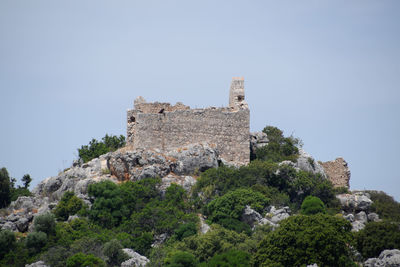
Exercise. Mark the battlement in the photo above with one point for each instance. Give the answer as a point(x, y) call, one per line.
point(165, 127)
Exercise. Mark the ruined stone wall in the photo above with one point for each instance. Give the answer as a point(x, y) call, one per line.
point(338, 172)
point(166, 127)
point(227, 130)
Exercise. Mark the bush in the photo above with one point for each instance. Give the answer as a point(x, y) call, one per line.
point(185, 230)
point(113, 250)
point(97, 148)
point(56, 256)
point(83, 260)
point(68, 205)
point(45, 223)
point(232, 204)
point(181, 259)
point(376, 237)
point(35, 241)
point(385, 206)
point(232, 258)
point(312, 205)
point(302, 240)
point(7, 242)
point(279, 148)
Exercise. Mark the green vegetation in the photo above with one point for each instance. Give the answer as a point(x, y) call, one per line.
point(312, 205)
point(302, 240)
point(385, 206)
point(377, 236)
point(96, 148)
point(69, 205)
point(279, 148)
point(163, 223)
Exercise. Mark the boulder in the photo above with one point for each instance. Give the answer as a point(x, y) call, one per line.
point(357, 201)
point(37, 264)
point(349, 217)
point(257, 140)
point(357, 226)
point(276, 215)
point(251, 217)
point(136, 260)
point(307, 163)
point(361, 217)
point(204, 227)
point(387, 258)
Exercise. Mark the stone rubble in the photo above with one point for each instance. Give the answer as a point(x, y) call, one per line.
point(387, 258)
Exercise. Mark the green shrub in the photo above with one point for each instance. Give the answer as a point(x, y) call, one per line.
point(376, 237)
point(68, 205)
point(312, 205)
point(301, 240)
point(56, 256)
point(35, 241)
point(185, 230)
point(83, 260)
point(181, 259)
point(279, 148)
point(232, 204)
point(7, 241)
point(97, 148)
point(113, 250)
point(385, 206)
point(45, 223)
point(232, 258)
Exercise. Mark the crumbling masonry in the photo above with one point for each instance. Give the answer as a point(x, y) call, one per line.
point(165, 127)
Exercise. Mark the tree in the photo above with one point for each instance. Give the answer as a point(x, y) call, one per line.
point(232, 258)
point(7, 241)
point(35, 241)
point(26, 179)
point(302, 240)
point(97, 148)
point(68, 205)
point(45, 223)
point(5, 194)
point(376, 237)
point(83, 260)
point(312, 205)
point(181, 259)
point(113, 250)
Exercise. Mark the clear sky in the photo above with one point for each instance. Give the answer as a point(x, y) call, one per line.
point(325, 71)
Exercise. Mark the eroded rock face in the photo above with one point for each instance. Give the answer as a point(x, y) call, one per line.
point(136, 260)
point(305, 162)
point(273, 217)
point(337, 172)
point(355, 202)
point(37, 264)
point(387, 258)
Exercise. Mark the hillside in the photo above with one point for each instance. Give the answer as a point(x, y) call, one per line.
point(191, 207)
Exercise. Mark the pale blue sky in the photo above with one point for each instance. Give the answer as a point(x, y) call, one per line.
point(326, 71)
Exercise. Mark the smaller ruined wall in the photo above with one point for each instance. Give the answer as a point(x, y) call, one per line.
point(338, 172)
point(226, 129)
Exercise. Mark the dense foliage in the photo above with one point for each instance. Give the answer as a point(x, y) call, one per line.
point(377, 236)
point(302, 240)
point(385, 206)
point(96, 148)
point(279, 148)
point(69, 205)
point(312, 205)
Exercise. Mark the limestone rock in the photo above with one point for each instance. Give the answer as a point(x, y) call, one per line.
point(307, 163)
point(37, 264)
point(251, 217)
point(136, 260)
point(349, 217)
point(276, 215)
point(257, 140)
point(361, 217)
point(337, 172)
point(387, 258)
point(357, 226)
point(357, 201)
point(204, 227)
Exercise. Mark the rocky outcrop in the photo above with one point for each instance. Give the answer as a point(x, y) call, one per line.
point(204, 227)
point(387, 258)
point(37, 264)
point(355, 202)
point(337, 172)
point(355, 208)
point(305, 162)
point(273, 217)
point(178, 166)
point(257, 140)
point(136, 260)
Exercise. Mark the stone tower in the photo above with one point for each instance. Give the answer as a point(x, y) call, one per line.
point(236, 94)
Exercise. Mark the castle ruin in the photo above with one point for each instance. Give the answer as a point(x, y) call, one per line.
point(166, 127)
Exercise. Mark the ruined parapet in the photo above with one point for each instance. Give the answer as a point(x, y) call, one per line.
point(338, 172)
point(165, 127)
point(236, 94)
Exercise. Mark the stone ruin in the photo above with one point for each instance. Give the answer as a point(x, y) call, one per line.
point(165, 127)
